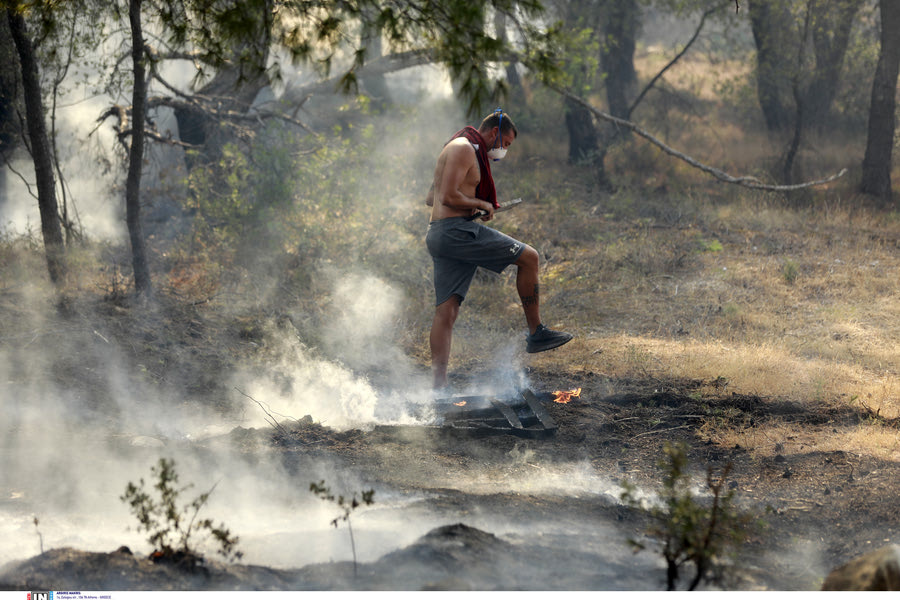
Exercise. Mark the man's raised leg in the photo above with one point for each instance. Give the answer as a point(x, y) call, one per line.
point(528, 287)
point(539, 337)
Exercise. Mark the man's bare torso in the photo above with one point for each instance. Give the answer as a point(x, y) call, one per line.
point(456, 178)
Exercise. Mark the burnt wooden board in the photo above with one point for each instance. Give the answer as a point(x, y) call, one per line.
point(519, 414)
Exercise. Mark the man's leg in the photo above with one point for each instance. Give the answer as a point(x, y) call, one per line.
point(539, 337)
point(441, 333)
point(528, 287)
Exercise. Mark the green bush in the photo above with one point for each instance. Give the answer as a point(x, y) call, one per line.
point(688, 530)
point(790, 271)
point(169, 527)
point(289, 201)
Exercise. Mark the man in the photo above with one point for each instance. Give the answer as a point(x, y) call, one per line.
point(462, 193)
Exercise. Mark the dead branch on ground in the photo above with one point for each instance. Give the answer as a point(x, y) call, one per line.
point(269, 418)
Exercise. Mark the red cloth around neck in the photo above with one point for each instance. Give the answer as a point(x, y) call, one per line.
point(485, 190)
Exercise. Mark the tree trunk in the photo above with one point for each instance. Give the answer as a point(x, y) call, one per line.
point(876, 176)
point(40, 148)
point(776, 44)
point(787, 167)
point(583, 144)
point(832, 22)
point(238, 79)
point(8, 92)
point(617, 55)
point(512, 73)
point(375, 84)
point(620, 24)
point(136, 154)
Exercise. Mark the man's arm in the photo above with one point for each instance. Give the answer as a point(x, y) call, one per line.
point(429, 197)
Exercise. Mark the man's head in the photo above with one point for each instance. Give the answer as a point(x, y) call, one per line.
point(499, 131)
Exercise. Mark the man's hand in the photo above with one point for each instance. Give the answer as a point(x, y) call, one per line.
point(485, 213)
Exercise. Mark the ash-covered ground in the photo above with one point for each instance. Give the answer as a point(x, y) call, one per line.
point(92, 405)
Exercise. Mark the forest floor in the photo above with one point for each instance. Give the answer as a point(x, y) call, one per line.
point(818, 508)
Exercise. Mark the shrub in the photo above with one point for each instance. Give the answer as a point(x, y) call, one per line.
point(790, 271)
point(687, 530)
point(171, 529)
point(286, 202)
point(347, 506)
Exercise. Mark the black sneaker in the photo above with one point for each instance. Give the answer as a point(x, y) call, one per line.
point(545, 339)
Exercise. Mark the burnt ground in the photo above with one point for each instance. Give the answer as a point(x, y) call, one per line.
point(816, 509)
point(819, 509)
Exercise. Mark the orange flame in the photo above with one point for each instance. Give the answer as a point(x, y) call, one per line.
point(566, 397)
point(463, 403)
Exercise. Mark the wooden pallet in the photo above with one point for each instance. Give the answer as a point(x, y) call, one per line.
point(520, 414)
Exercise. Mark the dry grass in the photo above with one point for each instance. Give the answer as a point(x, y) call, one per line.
point(868, 438)
point(826, 339)
point(675, 276)
point(796, 304)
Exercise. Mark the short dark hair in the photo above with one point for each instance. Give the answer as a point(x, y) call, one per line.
point(506, 124)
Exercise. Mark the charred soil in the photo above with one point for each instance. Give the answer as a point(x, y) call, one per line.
point(819, 509)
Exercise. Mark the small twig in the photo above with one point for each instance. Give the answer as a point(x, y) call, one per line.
point(272, 421)
point(198, 504)
point(660, 431)
point(18, 174)
point(204, 301)
point(352, 546)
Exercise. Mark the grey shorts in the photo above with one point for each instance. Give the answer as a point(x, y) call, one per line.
point(459, 246)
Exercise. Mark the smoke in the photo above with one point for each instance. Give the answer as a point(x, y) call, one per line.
point(68, 455)
point(362, 323)
point(81, 420)
point(334, 382)
point(301, 383)
point(87, 189)
point(90, 177)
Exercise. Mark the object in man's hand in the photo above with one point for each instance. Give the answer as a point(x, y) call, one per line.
point(501, 208)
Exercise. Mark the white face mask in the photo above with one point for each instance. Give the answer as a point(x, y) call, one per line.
point(496, 153)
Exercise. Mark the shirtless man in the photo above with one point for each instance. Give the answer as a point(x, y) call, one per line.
point(463, 193)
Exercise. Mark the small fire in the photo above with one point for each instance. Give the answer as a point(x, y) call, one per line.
point(566, 397)
point(463, 403)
